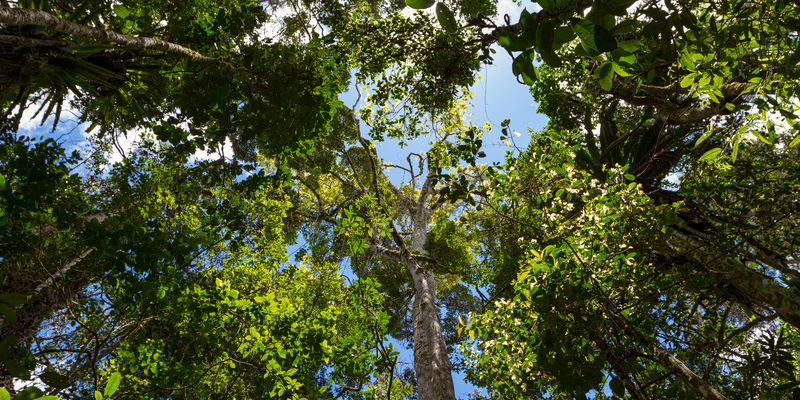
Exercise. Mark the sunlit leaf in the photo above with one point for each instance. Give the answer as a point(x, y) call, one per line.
point(446, 18)
point(420, 4)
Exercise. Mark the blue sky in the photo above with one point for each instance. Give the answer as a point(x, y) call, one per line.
point(497, 96)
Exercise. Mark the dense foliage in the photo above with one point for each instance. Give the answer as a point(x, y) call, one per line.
point(254, 244)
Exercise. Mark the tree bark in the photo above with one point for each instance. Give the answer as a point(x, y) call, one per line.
point(754, 286)
point(671, 362)
point(23, 16)
point(677, 366)
point(41, 302)
point(431, 358)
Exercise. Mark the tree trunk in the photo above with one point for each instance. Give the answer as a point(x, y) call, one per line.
point(756, 287)
point(23, 16)
point(431, 359)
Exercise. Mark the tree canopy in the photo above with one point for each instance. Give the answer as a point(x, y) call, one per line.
point(255, 243)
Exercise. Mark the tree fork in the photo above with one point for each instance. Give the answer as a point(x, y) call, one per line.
point(431, 359)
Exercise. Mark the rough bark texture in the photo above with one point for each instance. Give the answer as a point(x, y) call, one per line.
point(754, 286)
point(21, 17)
point(431, 359)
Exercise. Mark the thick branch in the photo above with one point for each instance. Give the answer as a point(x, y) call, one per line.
point(53, 278)
point(752, 285)
point(668, 360)
point(663, 98)
point(24, 41)
point(686, 373)
point(21, 17)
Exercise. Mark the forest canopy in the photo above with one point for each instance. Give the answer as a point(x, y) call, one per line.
point(190, 208)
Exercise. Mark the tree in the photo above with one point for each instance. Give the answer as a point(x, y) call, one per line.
point(643, 246)
point(676, 93)
point(115, 229)
point(156, 273)
point(595, 303)
point(386, 225)
point(127, 65)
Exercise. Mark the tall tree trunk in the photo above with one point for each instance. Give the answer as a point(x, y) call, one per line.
point(24, 16)
point(756, 287)
point(431, 359)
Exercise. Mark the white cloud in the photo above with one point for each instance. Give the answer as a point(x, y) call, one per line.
point(124, 144)
point(513, 9)
point(225, 150)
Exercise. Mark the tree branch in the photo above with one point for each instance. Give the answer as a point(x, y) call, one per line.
point(21, 17)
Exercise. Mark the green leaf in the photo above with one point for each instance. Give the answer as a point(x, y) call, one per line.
point(54, 379)
point(606, 76)
point(15, 299)
point(762, 138)
point(562, 35)
point(420, 4)
point(2, 181)
point(98, 395)
point(49, 398)
point(594, 37)
point(705, 136)
point(121, 11)
point(617, 387)
point(795, 141)
point(504, 39)
point(604, 39)
point(446, 18)
point(29, 393)
point(112, 385)
point(616, 7)
point(551, 58)
point(8, 314)
point(631, 46)
point(687, 80)
point(557, 5)
point(619, 70)
point(523, 66)
point(711, 155)
point(4, 394)
point(512, 42)
point(545, 35)
point(585, 31)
